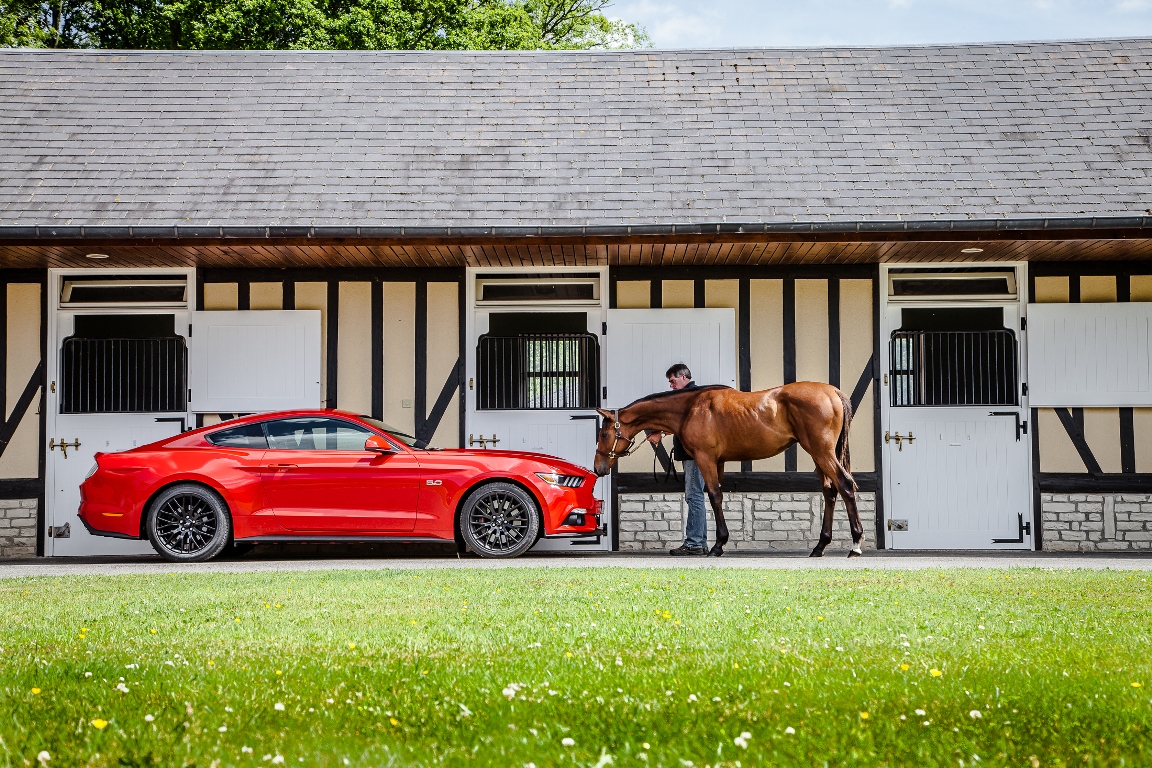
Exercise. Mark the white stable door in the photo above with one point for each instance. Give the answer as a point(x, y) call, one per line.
point(74, 439)
point(956, 476)
point(644, 343)
point(960, 482)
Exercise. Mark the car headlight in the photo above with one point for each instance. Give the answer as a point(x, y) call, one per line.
point(95, 466)
point(559, 480)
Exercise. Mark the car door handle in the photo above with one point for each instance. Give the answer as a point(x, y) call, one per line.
point(282, 466)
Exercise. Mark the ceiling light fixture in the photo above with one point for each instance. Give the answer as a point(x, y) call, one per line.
point(972, 250)
point(96, 256)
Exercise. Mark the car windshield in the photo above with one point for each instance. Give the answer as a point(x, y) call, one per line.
point(403, 437)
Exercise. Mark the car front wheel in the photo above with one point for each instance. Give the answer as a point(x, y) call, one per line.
point(188, 523)
point(499, 520)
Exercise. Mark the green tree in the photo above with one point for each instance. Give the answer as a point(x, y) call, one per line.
point(315, 24)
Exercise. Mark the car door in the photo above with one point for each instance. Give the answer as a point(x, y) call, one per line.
point(319, 478)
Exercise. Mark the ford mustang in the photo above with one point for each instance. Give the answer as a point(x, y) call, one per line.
point(326, 475)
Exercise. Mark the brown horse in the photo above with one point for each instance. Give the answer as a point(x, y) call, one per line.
point(716, 424)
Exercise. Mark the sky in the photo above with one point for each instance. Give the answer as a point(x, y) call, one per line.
point(788, 23)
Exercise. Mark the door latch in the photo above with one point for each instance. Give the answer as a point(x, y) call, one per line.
point(899, 439)
point(897, 525)
point(483, 441)
point(60, 531)
point(63, 445)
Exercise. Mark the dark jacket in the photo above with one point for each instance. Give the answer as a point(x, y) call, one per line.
point(678, 452)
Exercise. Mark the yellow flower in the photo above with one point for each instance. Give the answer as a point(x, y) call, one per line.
point(153, 631)
point(352, 645)
point(1134, 685)
point(819, 618)
point(277, 605)
point(863, 715)
point(237, 618)
point(935, 672)
point(35, 690)
point(99, 724)
point(413, 623)
point(568, 654)
point(735, 665)
point(394, 721)
point(424, 672)
point(279, 672)
point(211, 663)
point(904, 667)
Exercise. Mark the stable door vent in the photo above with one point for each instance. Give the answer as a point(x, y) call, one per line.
point(124, 375)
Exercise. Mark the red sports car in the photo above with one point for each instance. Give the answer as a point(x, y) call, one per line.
point(330, 476)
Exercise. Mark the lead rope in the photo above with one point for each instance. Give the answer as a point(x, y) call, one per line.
point(670, 471)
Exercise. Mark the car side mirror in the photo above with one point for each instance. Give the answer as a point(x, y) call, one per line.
point(379, 445)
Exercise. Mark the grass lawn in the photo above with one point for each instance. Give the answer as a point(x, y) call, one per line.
point(578, 667)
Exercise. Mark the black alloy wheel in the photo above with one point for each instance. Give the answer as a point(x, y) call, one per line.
point(188, 523)
point(500, 520)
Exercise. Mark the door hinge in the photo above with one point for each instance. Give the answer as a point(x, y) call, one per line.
point(605, 393)
point(1024, 389)
point(603, 329)
point(1023, 323)
point(189, 395)
point(189, 330)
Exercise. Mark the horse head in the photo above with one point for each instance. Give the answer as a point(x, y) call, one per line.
point(612, 442)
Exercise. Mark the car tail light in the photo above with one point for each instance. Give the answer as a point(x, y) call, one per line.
point(599, 508)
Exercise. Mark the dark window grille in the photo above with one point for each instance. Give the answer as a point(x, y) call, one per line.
point(538, 371)
point(953, 368)
point(124, 375)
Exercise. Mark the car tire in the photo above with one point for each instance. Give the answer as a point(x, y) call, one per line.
point(500, 520)
point(188, 523)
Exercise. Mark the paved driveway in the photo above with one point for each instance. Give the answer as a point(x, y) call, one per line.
point(877, 560)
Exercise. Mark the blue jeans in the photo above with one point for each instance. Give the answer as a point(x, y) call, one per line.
point(696, 531)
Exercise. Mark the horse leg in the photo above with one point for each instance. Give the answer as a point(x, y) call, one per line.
point(848, 492)
point(829, 508)
point(712, 475)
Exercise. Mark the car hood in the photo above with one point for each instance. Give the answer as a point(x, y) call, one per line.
point(546, 461)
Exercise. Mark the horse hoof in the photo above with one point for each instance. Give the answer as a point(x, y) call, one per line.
point(816, 553)
point(716, 551)
point(855, 553)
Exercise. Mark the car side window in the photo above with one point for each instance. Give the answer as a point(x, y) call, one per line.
point(316, 433)
point(243, 436)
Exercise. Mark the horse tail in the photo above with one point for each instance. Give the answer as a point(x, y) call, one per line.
point(842, 451)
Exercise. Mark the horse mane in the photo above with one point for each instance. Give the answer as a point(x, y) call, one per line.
point(676, 392)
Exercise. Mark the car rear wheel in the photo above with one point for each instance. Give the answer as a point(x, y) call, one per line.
point(499, 520)
point(188, 523)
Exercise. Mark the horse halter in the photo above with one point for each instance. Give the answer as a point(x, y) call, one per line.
point(612, 453)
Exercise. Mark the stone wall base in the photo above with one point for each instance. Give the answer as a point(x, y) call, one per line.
point(18, 527)
point(783, 522)
point(1095, 522)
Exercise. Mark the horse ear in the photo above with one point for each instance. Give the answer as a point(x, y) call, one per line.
point(606, 414)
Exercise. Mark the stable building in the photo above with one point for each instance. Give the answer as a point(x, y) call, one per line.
point(483, 247)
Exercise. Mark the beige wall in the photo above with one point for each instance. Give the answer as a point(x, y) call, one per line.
point(315, 296)
point(443, 352)
point(811, 343)
point(22, 456)
point(1051, 290)
point(1140, 287)
point(265, 295)
point(856, 340)
point(1095, 289)
point(399, 354)
point(633, 294)
point(354, 348)
point(221, 296)
point(766, 334)
point(678, 294)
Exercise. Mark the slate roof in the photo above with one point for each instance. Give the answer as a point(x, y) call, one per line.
point(1060, 129)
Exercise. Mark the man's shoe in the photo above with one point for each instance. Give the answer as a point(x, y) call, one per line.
point(684, 550)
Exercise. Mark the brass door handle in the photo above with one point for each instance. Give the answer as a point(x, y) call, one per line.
point(472, 440)
point(899, 439)
point(63, 445)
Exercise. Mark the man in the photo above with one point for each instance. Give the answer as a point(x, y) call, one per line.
point(696, 531)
